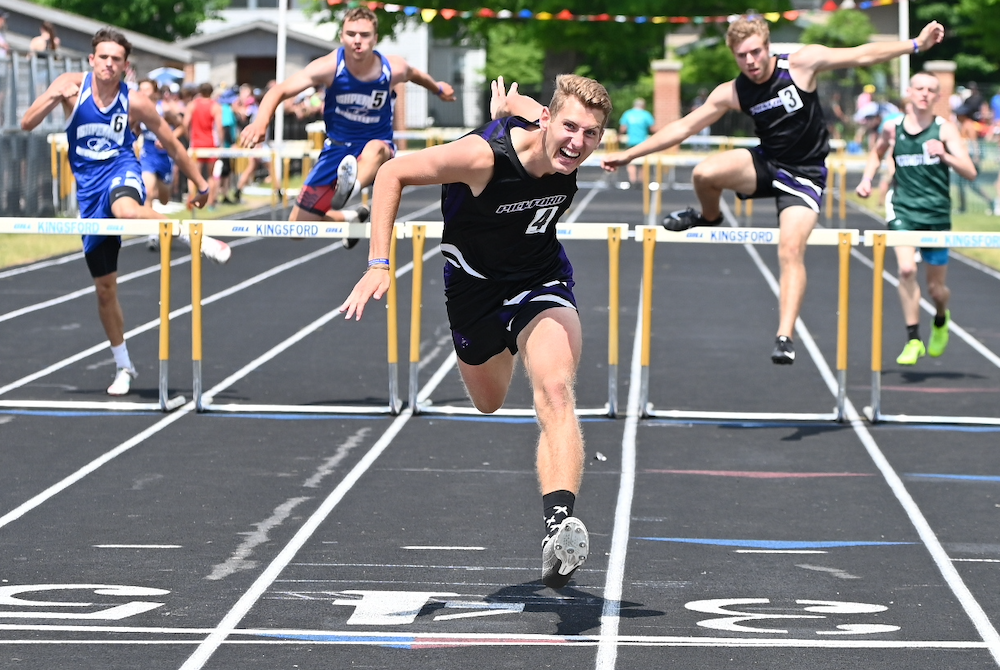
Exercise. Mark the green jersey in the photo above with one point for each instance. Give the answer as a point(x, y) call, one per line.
point(921, 198)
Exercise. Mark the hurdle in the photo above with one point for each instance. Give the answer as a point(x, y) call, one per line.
point(649, 236)
point(879, 241)
point(66, 226)
point(614, 233)
point(286, 230)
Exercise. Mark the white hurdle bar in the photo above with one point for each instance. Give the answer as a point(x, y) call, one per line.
point(67, 226)
point(879, 241)
point(649, 236)
point(614, 233)
point(286, 230)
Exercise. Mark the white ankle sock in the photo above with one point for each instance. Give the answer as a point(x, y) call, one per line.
point(121, 356)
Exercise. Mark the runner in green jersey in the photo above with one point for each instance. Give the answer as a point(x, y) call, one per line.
point(924, 147)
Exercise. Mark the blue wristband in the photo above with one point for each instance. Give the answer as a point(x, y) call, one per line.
point(440, 91)
point(205, 192)
point(378, 262)
point(916, 47)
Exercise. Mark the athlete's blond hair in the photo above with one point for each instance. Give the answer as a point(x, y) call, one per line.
point(746, 26)
point(586, 90)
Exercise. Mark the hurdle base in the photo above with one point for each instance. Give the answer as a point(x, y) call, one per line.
point(296, 409)
point(651, 413)
point(456, 410)
point(928, 419)
point(107, 405)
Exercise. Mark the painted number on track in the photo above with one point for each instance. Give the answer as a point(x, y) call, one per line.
point(735, 616)
point(14, 602)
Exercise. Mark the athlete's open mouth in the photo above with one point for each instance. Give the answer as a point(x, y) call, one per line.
point(572, 155)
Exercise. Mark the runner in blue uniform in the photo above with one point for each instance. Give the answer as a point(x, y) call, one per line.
point(358, 115)
point(779, 93)
point(158, 173)
point(508, 282)
point(101, 111)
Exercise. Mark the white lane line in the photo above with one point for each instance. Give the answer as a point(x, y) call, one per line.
point(137, 546)
point(65, 483)
point(578, 210)
point(607, 649)
point(930, 309)
point(228, 624)
point(940, 557)
point(61, 260)
point(239, 610)
point(381, 638)
point(962, 258)
point(149, 325)
point(90, 289)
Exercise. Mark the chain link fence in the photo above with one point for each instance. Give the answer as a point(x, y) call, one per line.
point(26, 185)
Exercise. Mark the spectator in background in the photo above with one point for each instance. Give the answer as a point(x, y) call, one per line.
point(4, 46)
point(4, 54)
point(635, 126)
point(864, 97)
point(970, 117)
point(246, 109)
point(46, 41)
point(995, 107)
point(230, 132)
point(203, 124)
point(995, 134)
point(836, 118)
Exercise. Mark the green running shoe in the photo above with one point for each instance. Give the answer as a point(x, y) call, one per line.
point(913, 350)
point(939, 336)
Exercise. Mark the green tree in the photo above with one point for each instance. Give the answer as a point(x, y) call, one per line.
point(846, 28)
point(509, 56)
point(610, 51)
point(708, 65)
point(165, 19)
point(971, 29)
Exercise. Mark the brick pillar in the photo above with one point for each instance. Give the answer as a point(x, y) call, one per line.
point(399, 115)
point(944, 70)
point(666, 91)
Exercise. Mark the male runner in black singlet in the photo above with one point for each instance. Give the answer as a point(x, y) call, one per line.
point(508, 282)
point(779, 93)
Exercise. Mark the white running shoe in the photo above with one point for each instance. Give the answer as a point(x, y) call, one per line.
point(215, 250)
point(347, 174)
point(153, 242)
point(563, 552)
point(123, 381)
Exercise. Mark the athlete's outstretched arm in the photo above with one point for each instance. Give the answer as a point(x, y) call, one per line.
point(954, 152)
point(511, 102)
point(883, 145)
point(468, 160)
point(720, 101)
point(403, 71)
point(64, 90)
point(317, 74)
point(815, 58)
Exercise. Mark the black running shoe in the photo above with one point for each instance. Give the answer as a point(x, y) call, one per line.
point(363, 214)
point(683, 219)
point(784, 351)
